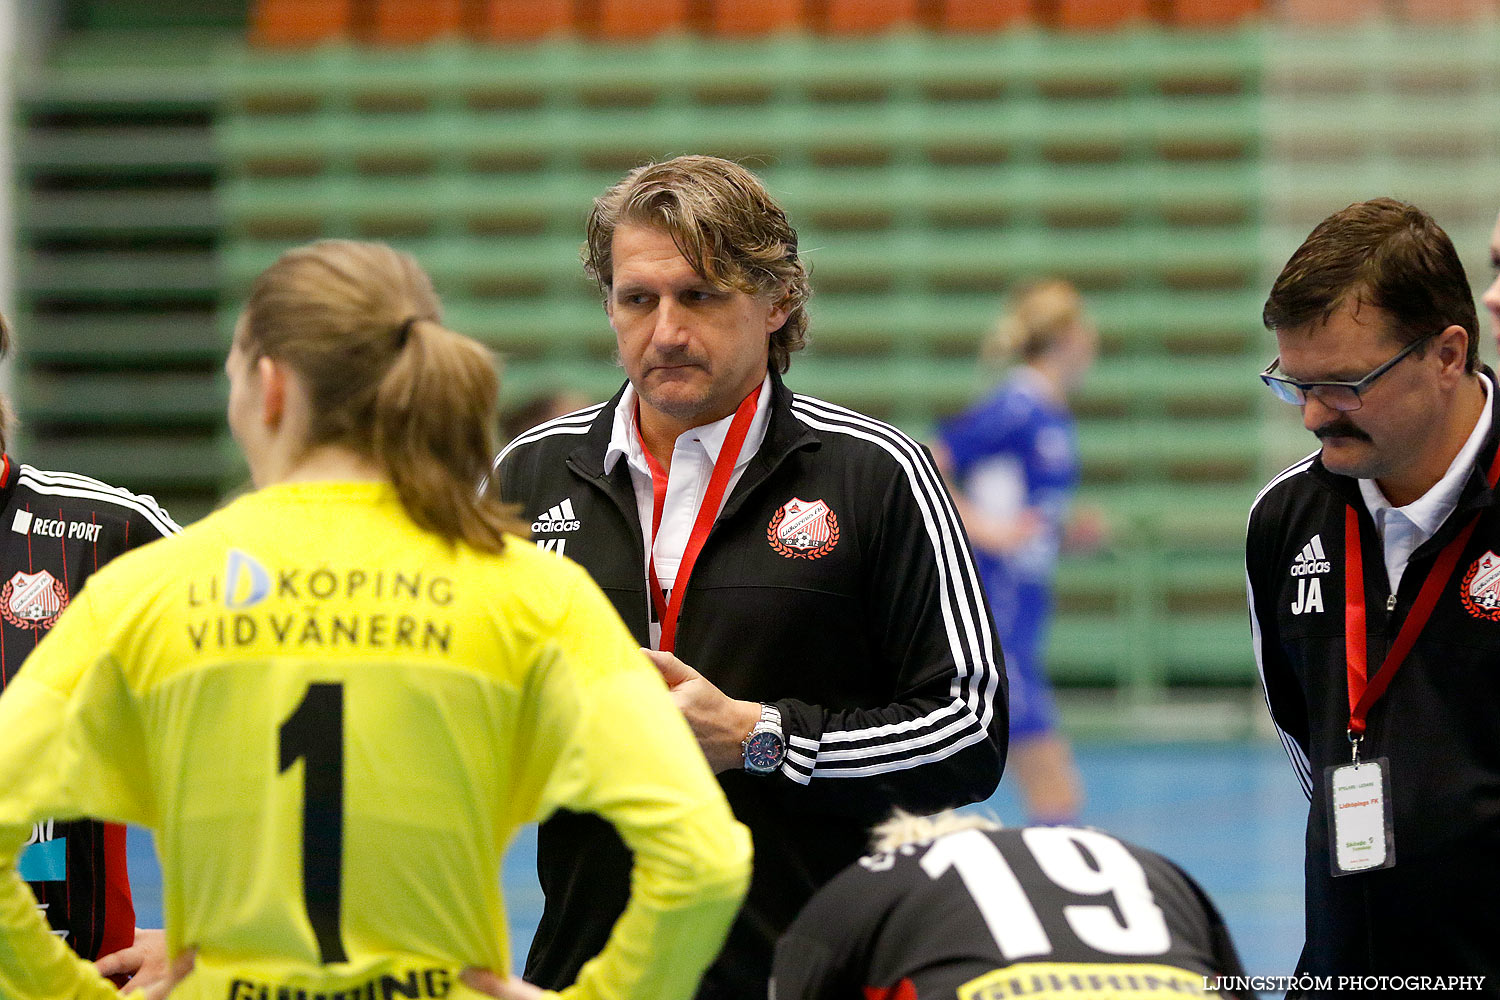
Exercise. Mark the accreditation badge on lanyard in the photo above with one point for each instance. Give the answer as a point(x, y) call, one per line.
point(1361, 832)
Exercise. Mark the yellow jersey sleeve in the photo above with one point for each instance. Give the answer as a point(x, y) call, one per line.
point(70, 744)
point(334, 722)
point(629, 756)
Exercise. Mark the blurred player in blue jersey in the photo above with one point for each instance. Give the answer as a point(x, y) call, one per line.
point(1013, 463)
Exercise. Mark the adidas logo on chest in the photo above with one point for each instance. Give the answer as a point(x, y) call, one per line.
point(556, 519)
point(1311, 561)
point(1307, 569)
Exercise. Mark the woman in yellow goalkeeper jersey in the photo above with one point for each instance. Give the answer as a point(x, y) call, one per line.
point(337, 698)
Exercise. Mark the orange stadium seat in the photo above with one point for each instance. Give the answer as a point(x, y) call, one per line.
point(524, 20)
point(297, 22)
point(1209, 13)
point(634, 19)
point(982, 15)
point(1325, 11)
point(409, 22)
point(763, 17)
point(1446, 10)
point(1089, 15)
point(858, 17)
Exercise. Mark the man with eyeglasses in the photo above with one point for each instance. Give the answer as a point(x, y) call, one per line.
point(1374, 585)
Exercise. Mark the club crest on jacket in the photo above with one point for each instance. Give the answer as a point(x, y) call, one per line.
point(803, 529)
point(1480, 590)
point(33, 600)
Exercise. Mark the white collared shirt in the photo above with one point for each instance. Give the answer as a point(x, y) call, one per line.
point(1403, 529)
point(693, 457)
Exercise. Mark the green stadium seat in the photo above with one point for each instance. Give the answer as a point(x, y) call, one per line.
point(863, 322)
point(159, 399)
point(885, 386)
point(125, 73)
point(1144, 449)
point(1183, 387)
point(523, 379)
point(150, 274)
point(105, 150)
point(532, 328)
point(117, 340)
point(1211, 580)
point(187, 17)
point(1209, 652)
point(1089, 651)
point(150, 213)
point(1176, 517)
point(1188, 322)
point(522, 266)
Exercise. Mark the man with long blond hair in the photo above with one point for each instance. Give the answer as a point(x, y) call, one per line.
point(795, 568)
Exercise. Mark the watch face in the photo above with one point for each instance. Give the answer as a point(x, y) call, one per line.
point(763, 752)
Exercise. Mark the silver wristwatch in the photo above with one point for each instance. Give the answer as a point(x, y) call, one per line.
point(765, 747)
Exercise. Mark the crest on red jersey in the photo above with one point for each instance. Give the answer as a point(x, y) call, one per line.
point(1480, 590)
point(33, 600)
point(803, 529)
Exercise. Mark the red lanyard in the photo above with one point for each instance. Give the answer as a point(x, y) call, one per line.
point(1363, 692)
point(713, 498)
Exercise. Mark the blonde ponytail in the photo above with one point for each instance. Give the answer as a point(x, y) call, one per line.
point(358, 323)
point(435, 431)
point(1039, 314)
point(903, 828)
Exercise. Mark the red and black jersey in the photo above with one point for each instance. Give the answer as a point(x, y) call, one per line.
point(56, 528)
point(1035, 911)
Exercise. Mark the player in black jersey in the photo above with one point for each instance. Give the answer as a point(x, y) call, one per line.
point(57, 528)
point(952, 906)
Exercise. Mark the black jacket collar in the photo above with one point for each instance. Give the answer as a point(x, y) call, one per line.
point(784, 435)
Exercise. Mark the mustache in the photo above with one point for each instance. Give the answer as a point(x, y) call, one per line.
point(1340, 428)
point(674, 356)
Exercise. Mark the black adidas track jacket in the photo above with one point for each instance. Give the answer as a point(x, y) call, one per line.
point(1434, 912)
point(878, 649)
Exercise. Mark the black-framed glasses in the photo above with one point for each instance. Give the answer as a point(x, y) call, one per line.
point(1342, 396)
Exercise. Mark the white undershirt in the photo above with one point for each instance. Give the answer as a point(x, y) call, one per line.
point(693, 457)
point(1403, 529)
